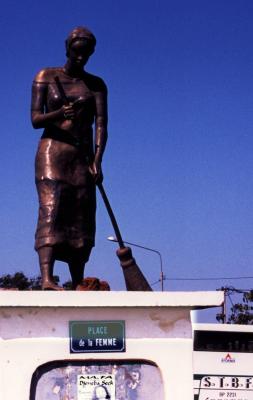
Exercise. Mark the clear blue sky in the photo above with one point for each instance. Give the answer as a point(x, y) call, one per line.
point(178, 166)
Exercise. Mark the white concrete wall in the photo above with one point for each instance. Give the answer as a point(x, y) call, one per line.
point(34, 329)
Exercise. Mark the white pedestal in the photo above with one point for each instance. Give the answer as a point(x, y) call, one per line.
point(34, 330)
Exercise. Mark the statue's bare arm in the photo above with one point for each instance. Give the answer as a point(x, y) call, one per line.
point(100, 133)
point(40, 119)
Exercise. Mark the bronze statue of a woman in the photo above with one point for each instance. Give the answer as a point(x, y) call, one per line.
point(68, 160)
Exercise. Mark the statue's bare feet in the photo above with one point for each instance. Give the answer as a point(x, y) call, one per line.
point(50, 285)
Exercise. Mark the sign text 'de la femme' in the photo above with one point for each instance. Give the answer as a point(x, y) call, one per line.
point(97, 336)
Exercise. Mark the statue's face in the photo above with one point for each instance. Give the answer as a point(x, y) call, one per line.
point(79, 52)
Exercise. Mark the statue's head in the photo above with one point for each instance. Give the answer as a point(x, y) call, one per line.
point(80, 40)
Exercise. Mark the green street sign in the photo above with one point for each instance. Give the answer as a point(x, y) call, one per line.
point(97, 336)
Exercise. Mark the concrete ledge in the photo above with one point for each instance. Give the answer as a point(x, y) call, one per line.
point(191, 300)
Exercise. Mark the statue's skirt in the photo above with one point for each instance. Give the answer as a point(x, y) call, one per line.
point(67, 198)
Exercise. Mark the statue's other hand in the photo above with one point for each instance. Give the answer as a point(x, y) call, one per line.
point(96, 171)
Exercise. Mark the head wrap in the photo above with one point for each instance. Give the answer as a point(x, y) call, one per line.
point(81, 33)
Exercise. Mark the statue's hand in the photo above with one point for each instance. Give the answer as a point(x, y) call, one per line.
point(96, 171)
point(68, 112)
